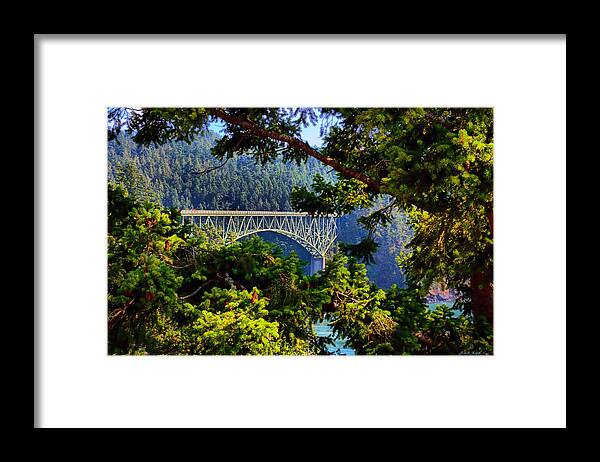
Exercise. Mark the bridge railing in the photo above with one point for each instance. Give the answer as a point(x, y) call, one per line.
point(255, 213)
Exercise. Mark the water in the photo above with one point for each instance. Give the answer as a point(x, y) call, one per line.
point(449, 304)
point(339, 348)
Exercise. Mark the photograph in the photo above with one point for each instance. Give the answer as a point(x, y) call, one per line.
point(246, 231)
point(341, 231)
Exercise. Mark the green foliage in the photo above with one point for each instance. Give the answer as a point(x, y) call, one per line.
point(332, 198)
point(447, 246)
point(173, 290)
point(388, 240)
point(157, 125)
point(437, 165)
point(142, 243)
point(138, 185)
point(363, 251)
point(394, 322)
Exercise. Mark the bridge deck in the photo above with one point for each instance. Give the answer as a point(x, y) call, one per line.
point(252, 213)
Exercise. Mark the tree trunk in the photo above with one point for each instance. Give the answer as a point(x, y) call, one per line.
point(482, 285)
point(482, 295)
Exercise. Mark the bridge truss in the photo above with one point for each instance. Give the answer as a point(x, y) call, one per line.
point(315, 233)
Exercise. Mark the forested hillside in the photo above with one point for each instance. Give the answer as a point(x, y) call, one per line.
point(181, 175)
point(184, 176)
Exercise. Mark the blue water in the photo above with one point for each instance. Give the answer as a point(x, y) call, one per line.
point(449, 304)
point(339, 348)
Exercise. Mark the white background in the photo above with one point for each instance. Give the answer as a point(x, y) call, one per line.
point(522, 385)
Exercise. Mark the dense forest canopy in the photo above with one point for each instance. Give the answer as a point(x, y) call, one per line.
point(188, 176)
point(433, 164)
point(174, 289)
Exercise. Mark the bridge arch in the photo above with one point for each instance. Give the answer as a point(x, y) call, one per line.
point(315, 233)
point(312, 250)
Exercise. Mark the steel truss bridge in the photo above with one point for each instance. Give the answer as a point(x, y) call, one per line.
point(315, 233)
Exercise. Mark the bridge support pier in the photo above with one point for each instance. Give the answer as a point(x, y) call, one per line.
point(316, 264)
